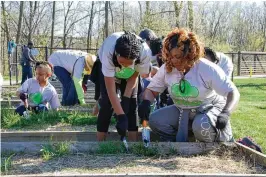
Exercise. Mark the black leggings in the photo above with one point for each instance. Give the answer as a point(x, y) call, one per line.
point(106, 110)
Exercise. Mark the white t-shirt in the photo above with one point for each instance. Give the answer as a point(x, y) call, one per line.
point(48, 93)
point(106, 52)
point(67, 59)
point(200, 85)
point(225, 63)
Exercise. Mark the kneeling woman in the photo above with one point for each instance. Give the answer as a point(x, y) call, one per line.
point(123, 56)
point(198, 88)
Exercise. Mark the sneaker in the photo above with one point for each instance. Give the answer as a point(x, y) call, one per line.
point(249, 142)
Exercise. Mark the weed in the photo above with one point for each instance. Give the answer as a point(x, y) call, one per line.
point(6, 164)
point(112, 147)
point(140, 150)
point(50, 151)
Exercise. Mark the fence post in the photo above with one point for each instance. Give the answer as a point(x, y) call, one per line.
point(233, 67)
point(10, 70)
point(239, 63)
point(16, 64)
point(46, 53)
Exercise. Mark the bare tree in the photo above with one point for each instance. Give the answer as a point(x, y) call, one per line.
point(21, 6)
point(90, 25)
point(5, 20)
point(190, 15)
point(178, 7)
point(106, 19)
point(70, 19)
point(32, 14)
point(112, 17)
point(52, 31)
point(140, 12)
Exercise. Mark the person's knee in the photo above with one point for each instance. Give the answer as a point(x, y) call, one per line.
point(202, 129)
point(42, 107)
point(20, 110)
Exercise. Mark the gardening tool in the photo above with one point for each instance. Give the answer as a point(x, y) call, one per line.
point(123, 139)
point(145, 134)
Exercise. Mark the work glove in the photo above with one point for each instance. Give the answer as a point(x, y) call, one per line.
point(222, 119)
point(144, 110)
point(122, 124)
point(23, 96)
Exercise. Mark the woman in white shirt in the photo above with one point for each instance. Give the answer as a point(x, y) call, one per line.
point(198, 88)
point(123, 56)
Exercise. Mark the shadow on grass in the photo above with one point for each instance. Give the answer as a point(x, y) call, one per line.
point(261, 107)
point(258, 86)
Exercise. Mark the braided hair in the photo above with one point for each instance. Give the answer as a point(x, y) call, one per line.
point(181, 38)
point(128, 46)
point(209, 52)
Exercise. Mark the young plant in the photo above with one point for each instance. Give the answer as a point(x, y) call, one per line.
point(6, 164)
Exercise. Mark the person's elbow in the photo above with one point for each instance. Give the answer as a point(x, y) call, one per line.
point(236, 95)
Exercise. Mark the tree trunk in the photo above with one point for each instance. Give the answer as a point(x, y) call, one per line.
point(123, 15)
point(190, 15)
point(112, 17)
point(90, 25)
point(178, 8)
point(52, 32)
point(4, 19)
point(140, 12)
point(20, 21)
point(106, 19)
point(30, 22)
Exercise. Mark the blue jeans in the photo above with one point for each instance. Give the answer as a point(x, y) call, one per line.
point(26, 73)
point(36, 109)
point(70, 96)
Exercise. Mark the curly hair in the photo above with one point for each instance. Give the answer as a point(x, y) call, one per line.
point(128, 46)
point(182, 38)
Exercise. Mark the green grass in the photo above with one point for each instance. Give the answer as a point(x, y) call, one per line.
point(9, 119)
point(117, 147)
point(50, 151)
point(250, 117)
point(6, 164)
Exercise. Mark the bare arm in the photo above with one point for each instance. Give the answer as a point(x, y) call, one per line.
point(150, 95)
point(110, 82)
point(232, 100)
point(131, 84)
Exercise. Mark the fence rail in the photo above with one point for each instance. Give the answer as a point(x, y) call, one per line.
point(245, 62)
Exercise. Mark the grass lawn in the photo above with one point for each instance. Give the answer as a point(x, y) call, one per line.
point(250, 117)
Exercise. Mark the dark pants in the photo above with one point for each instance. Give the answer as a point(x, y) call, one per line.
point(146, 83)
point(36, 109)
point(26, 73)
point(70, 96)
point(106, 111)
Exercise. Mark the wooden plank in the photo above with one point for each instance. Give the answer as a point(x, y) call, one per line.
point(60, 136)
point(184, 148)
point(252, 154)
